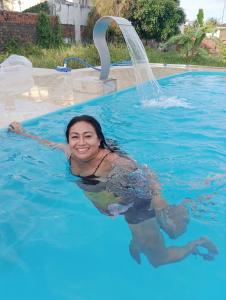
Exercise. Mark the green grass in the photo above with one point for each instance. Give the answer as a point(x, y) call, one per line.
point(155, 56)
point(50, 58)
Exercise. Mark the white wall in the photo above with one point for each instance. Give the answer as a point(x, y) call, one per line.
point(74, 12)
point(68, 11)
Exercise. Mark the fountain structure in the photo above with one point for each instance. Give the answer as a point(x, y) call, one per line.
point(143, 73)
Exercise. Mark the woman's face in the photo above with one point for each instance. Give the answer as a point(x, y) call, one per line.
point(83, 141)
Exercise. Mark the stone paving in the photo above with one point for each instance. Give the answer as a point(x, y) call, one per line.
point(52, 90)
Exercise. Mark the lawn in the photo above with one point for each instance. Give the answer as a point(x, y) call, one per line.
point(50, 58)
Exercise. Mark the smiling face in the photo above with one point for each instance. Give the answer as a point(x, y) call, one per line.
point(83, 141)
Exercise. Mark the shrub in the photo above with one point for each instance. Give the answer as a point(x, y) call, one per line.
point(57, 39)
point(113, 34)
point(13, 46)
point(48, 36)
point(93, 16)
point(30, 49)
point(44, 31)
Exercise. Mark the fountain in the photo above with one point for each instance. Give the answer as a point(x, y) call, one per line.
point(143, 73)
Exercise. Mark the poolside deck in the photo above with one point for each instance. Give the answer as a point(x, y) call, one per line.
point(52, 90)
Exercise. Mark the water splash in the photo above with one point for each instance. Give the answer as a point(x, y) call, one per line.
point(166, 102)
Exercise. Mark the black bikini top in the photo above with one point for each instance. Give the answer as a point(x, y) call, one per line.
point(93, 176)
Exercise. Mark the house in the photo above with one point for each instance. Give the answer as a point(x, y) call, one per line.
point(221, 32)
point(72, 12)
point(210, 43)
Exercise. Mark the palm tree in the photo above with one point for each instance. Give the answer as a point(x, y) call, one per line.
point(189, 42)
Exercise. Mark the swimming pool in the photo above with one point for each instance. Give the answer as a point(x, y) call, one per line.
point(54, 244)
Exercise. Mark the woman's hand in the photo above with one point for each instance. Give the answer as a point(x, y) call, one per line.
point(16, 127)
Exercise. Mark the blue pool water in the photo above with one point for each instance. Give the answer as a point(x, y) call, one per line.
point(55, 245)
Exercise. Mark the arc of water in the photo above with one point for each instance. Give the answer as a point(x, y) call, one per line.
point(143, 72)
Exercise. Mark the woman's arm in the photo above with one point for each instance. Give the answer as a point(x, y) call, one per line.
point(17, 128)
point(157, 202)
point(173, 219)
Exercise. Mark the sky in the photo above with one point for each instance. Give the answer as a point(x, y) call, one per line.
point(212, 8)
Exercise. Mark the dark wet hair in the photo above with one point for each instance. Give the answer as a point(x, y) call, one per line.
point(96, 125)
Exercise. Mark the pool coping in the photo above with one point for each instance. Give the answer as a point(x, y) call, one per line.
point(99, 98)
point(172, 69)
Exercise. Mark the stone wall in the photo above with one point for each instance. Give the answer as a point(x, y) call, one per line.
point(23, 26)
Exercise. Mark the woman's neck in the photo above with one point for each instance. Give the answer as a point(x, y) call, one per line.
point(89, 161)
point(88, 165)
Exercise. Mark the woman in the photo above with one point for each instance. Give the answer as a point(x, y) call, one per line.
point(117, 185)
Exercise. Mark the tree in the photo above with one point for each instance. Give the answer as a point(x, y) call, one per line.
point(157, 19)
point(188, 42)
point(44, 31)
point(57, 39)
point(119, 8)
point(48, 36)
point(200, 17)
point(211, 25)
point(93, 16)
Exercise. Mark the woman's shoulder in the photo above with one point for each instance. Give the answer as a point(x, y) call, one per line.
point(125, 162)
point(110, 161)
